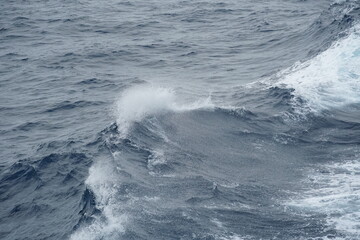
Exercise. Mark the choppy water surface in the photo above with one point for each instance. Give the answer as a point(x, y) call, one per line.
point(180, 119)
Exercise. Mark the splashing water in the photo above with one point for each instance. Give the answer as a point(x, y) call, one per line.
point(138, 102)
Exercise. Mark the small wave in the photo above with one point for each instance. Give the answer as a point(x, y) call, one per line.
point(67, 105)
point(139, 102)
point(331, 79)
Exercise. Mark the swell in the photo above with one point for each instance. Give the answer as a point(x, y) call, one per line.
point(265, 116)
point(158, 150)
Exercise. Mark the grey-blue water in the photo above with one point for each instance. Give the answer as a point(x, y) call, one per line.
point(175, 119)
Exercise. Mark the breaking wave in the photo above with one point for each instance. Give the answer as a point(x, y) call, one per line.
point(331, 79)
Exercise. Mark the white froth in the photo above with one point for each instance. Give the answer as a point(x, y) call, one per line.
point(336, 193)
point(155, 159)
point(138, 102)
point(331, 79)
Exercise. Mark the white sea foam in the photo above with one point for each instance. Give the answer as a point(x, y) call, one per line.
point(335, 193)
point(102, 181)
point(331, 79)
point(138, 102)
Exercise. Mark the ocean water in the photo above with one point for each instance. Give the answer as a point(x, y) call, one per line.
point(203, 120)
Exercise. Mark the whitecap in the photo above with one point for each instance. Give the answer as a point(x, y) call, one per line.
point(329, 80)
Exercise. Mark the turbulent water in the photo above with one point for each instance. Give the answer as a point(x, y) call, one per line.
point(180, 119)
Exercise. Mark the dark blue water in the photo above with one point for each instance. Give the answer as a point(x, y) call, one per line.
point(220, 120)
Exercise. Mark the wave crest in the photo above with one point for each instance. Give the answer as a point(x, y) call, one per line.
point(139, 102)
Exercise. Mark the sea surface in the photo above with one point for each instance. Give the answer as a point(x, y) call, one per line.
point(180, 119)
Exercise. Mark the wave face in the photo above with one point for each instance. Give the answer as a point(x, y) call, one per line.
point(180, 120)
